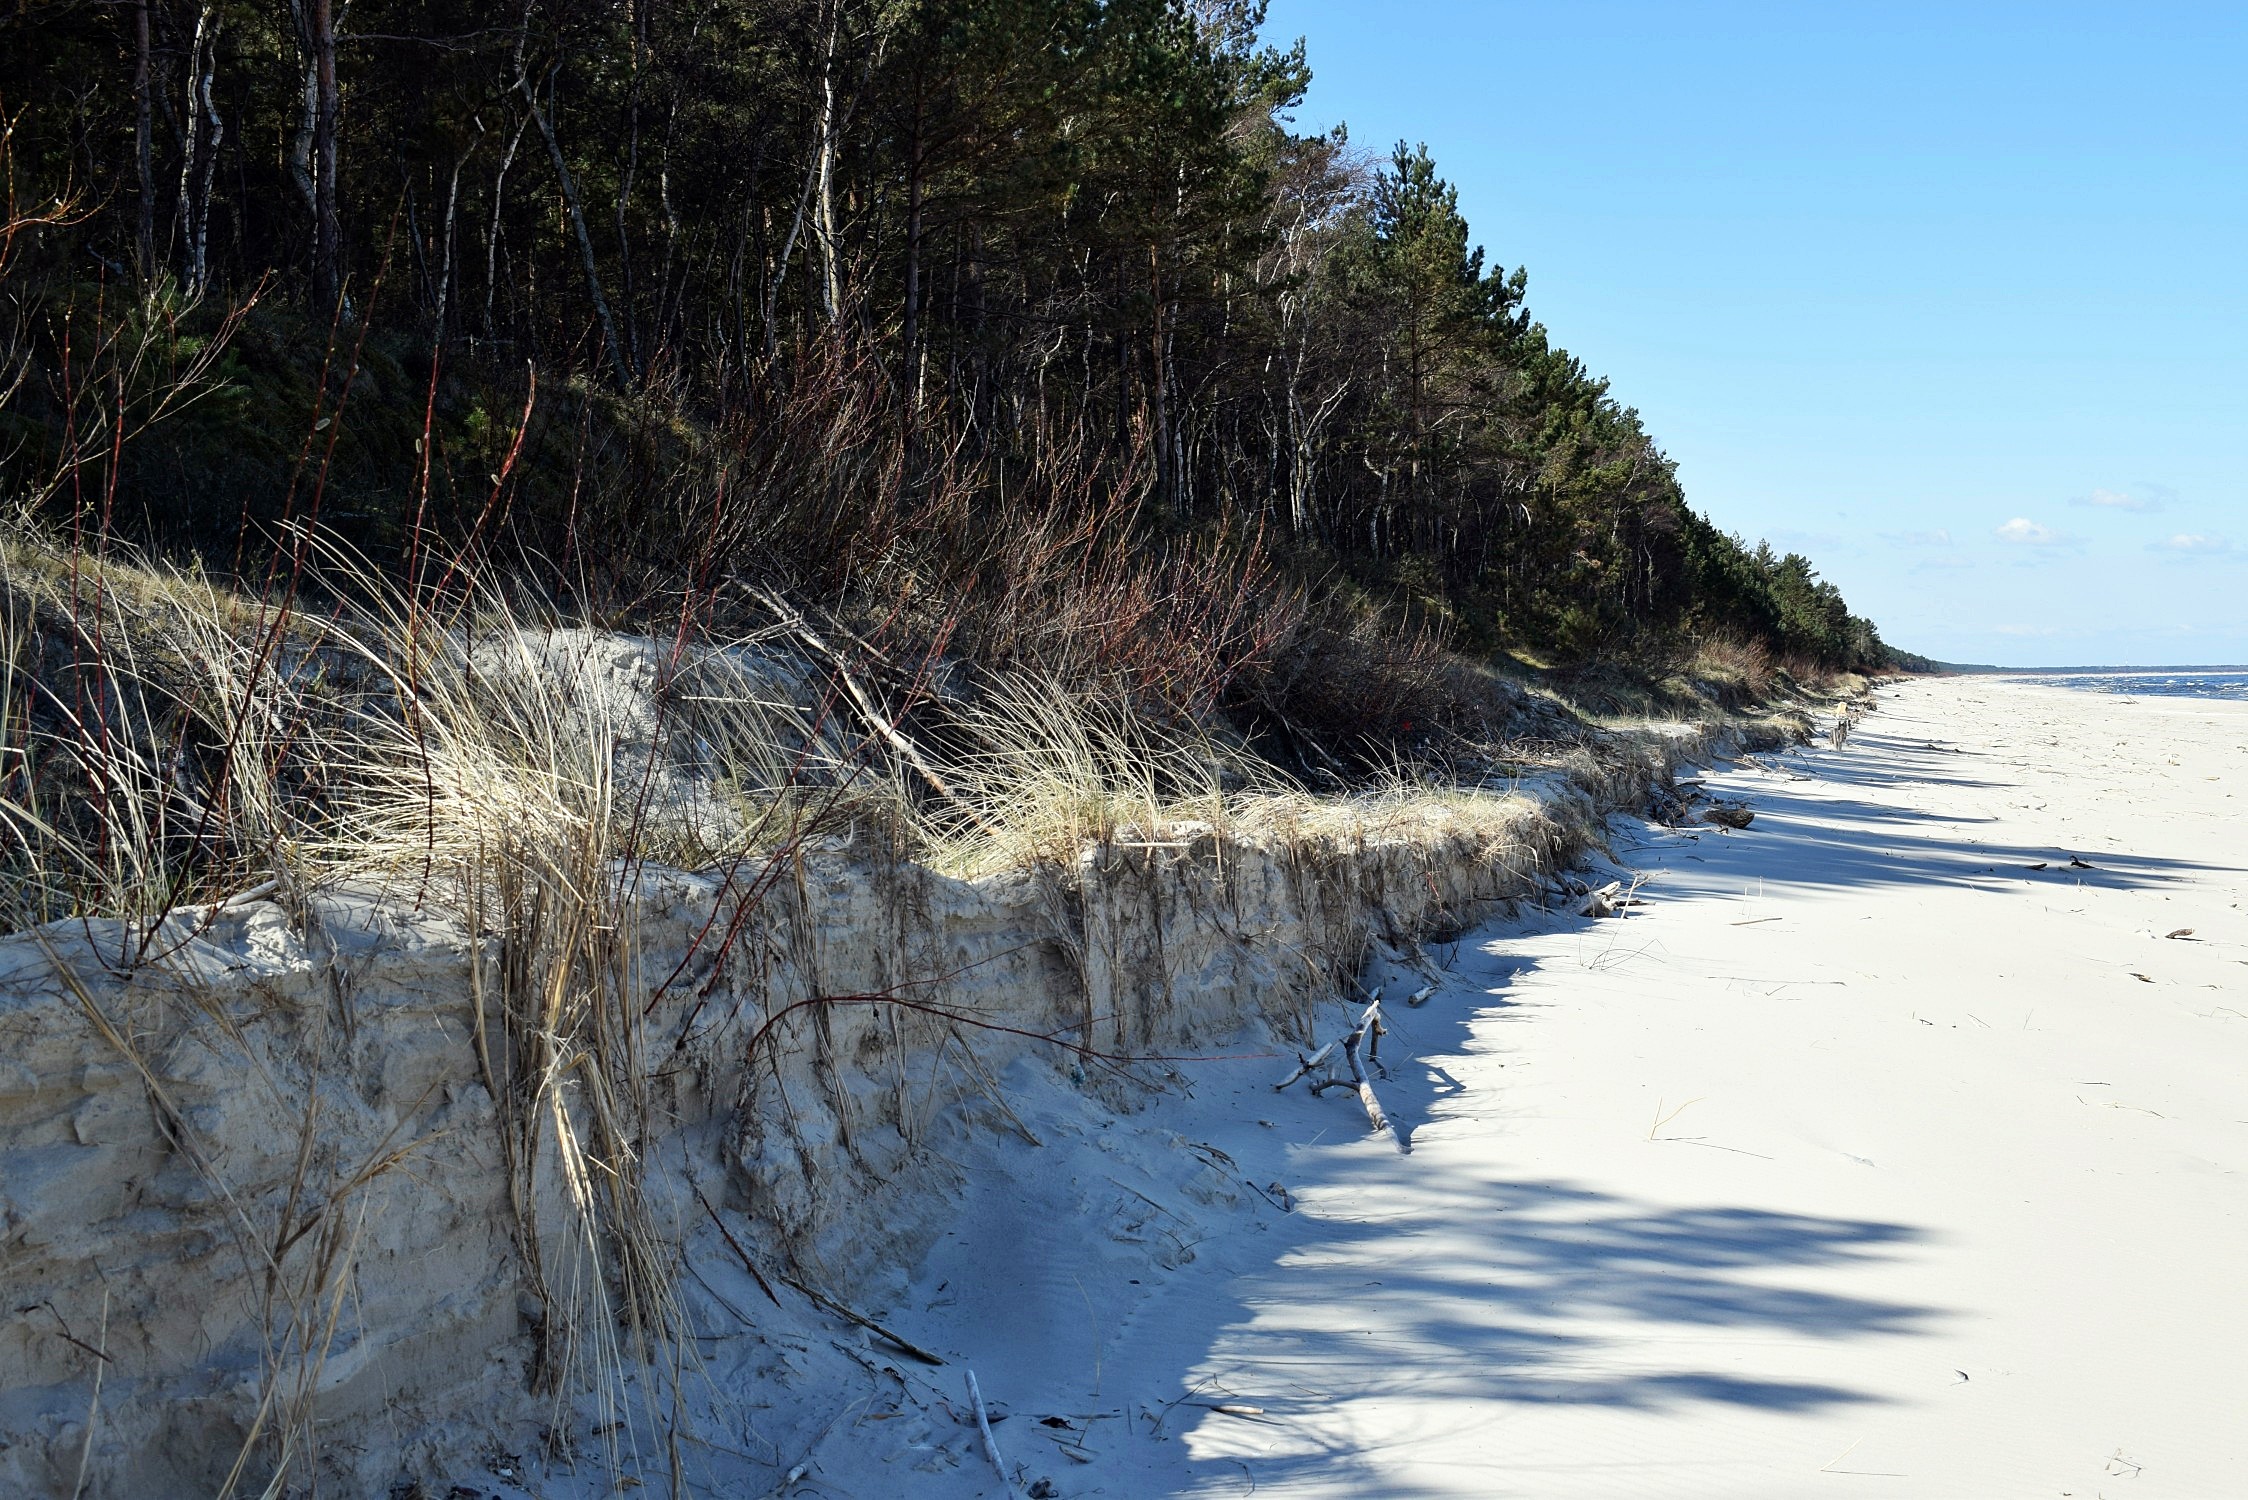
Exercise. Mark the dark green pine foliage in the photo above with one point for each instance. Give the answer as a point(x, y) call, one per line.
point(851, 255)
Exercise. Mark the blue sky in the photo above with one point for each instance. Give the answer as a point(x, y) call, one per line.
point(1951, 297)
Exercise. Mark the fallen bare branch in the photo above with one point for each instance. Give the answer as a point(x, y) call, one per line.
point(990, 1446)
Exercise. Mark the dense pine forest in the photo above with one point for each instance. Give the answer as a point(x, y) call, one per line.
point(1024, 327)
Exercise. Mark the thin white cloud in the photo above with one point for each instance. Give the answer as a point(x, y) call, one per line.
point(2143, 496)
point(2118, 500)
point(2192, 544)
point(2023, 532)
point(1940, 537)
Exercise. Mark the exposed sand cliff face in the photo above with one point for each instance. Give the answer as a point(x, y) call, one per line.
point(315, 1170)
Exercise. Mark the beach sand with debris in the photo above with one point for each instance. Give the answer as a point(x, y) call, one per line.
point(1894, 1147)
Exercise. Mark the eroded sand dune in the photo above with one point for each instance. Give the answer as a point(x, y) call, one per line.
point(1893, 1147)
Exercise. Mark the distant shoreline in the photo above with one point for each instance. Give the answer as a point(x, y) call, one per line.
point(2221, 668)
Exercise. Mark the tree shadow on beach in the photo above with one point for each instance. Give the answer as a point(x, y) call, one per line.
point(1905, 760)
point(1805, 835)
point(1478, 1287)
point(1844, 844)
point(1476, 1291)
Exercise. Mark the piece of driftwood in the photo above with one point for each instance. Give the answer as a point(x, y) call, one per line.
point(1421, 995)
point(983, 1425)
point(1374, 1116)
point(1673, 803)
point(258, 892)
point(880, 722)
point(1359, 1048)
point(1602, 902)
point(1304, 1064)
point(1325, 1055)
point(1612, 899)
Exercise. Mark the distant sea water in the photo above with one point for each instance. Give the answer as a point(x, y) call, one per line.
point(2154, 682)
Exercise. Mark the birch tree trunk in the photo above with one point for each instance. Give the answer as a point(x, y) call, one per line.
point(327, 283)
point(576, 209)
point(204, 132)
point(313, 156)
point(831, 287)
point(144, 238)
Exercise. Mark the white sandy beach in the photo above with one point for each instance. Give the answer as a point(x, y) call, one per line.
point(1864, 1160)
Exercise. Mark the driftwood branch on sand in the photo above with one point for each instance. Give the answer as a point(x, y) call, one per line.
point(990, 1445)
point(1374, 1116)
point(1729, 814)
point(1610, 900)
point(1681, 803)
point(1358, 1048)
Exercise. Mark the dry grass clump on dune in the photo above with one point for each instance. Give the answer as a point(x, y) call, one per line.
point(1053, 772)
point(139, 739)
point(165, 741)
point(1744, 672)
point(1740, 669)
point(1494, 827)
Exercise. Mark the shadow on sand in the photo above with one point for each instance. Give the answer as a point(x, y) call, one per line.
point(1477, 1289)
point(1806, 838)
